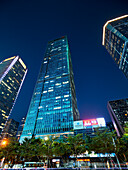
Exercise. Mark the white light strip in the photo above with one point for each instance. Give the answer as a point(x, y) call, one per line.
point(22, 63)
point(9, 58)
point(103, 40)
point(10, 66)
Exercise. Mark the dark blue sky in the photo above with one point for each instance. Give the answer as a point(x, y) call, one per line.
point(27, 25)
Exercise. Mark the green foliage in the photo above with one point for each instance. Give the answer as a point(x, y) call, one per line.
point(30, 149)
point(40, 150)
point(103, 142)
point(62, 149)
point(10, 151)
point(76, 144)
point(124, 148)
point(126, 129)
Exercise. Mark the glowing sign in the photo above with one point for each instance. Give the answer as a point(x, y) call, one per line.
point(101, 122)
point(78, 124)
point(86, 160)
point(90, 122)
point(82, 124)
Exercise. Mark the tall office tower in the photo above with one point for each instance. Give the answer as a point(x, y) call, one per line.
point(53, 107)
point(12, 74)
point(115, 40)
point(10, 128)
point(118, 110)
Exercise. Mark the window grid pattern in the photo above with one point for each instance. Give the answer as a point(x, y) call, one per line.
point(53, 106)
point(116, 43)
point(9, 88)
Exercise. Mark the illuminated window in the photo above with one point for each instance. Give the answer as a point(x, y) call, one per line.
point(66, 95)
point(44, 91)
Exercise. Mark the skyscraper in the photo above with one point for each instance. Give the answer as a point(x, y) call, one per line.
point(115, 40)
point(53, 106)
point(12, 74)
point(118, 110)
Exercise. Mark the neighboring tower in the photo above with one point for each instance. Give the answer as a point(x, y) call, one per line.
point(20, 129)
point(12, 74)
point(10, 129)
point(118, 110)
point(53, 107)
point(115, 40)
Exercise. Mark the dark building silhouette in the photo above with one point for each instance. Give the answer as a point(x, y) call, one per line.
point(10, 129)
point(20, 129)
point(110, 126)
point(118, 110)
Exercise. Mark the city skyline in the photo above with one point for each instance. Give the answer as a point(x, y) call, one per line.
point(27, 29)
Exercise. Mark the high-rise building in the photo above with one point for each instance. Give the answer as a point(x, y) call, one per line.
point(20, 129)
point(12, 74)
point(115, 40)
point(53, 106)
point(118, 110)
point(10, 129)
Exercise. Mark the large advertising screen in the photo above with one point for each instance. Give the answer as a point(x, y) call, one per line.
point(82, 124)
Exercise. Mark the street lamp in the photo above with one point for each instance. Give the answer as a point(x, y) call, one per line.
point(4, 142)
point(45, 138)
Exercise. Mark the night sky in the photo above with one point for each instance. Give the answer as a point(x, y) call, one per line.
point(27, 25)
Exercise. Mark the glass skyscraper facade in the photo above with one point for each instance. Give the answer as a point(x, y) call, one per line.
point(53, 106)
point(118, 110)
point(10, 129)
point(12, 74)
point(115, 40)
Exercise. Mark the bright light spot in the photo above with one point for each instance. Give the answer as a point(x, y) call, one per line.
point(4, 142)
point(45, 138)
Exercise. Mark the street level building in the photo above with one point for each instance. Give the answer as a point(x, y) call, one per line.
point(89, 126)
point(118, 110)
point(115, 40)
point(10, 129)
point(12, 74)
point(53, 106)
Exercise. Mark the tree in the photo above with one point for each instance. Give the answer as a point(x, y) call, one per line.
point(47, 149)
point(30, 149)
point(106, 142)
point(10, 151)
point(124, 145)
point(62, 149)
point(76, 144)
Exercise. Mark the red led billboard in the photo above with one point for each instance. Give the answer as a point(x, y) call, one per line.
point(90, 122)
